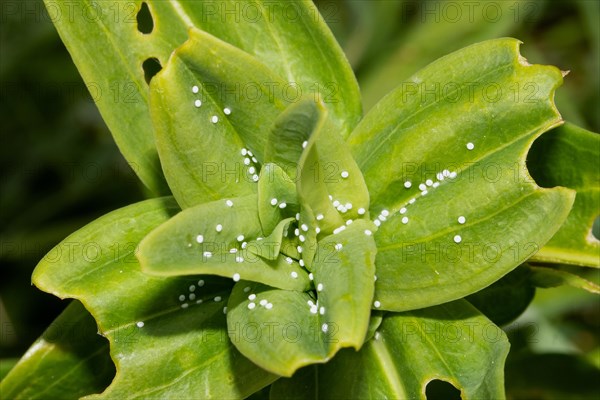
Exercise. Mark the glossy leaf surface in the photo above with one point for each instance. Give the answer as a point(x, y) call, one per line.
point(444, 159)
point(450, 342)
point(282, 331)
point(209, 239)
point(68, 360)
point(164, 318)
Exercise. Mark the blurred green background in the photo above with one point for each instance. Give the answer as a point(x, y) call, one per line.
point(61, 169)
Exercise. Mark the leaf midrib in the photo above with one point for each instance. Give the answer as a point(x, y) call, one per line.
point(382, 355)
point(455, 228)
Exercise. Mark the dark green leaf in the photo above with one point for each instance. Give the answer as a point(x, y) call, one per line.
point(506, 299)
point(69, 360)
point(570, 156)
point(547, 277)
point(551, 376)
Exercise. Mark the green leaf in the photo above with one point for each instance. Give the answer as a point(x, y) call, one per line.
point(6, 365)
point(149, 319)
point(117, 79)
point(197, 133)
point(110, 60)
point(274, 183)
point(68, 361)
point(279, 335)
point(293, 40)
point(547, 277)
point(451, 342)
point(344, 274)
point(324, 198)
point(212, 238)
point(287, 137)
point(282, 331)
point(310, 185)
point(570, 156)
point(270, 247)
point(507, 298)
point(470, 214)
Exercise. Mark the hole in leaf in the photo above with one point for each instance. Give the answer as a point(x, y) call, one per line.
point(596, 228)
point(144, 19)
point(151, 67)
point(441, 390)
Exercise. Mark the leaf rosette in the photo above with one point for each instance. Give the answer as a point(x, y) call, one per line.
point(297, 229)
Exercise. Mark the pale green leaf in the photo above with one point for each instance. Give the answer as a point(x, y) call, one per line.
point(459, 132)
point(282, 331)
point(570, 156)
point(344, 275)
point(202, 137)
point(270, 246)
point(69, 360)
point(150, 319)
point(311, 185)
point(330, 181)
point(212, 238)
point(276, 196)
point(279, 334)
point(451, 342)
point(287, 137)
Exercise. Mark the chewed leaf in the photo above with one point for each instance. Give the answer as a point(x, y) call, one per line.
point(117, 78)
point(570, 156)
point(276, 197)
point(164, 318)
point(201, 117)
point(452, 342)
point(461, 153)
point(302, 50)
